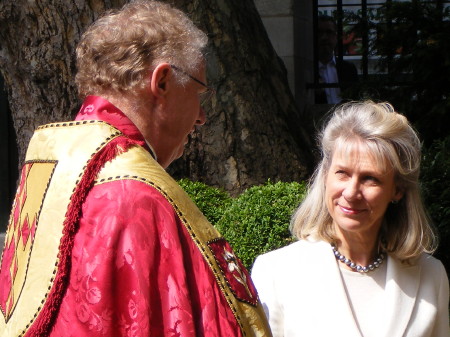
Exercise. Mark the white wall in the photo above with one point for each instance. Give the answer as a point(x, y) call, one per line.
point(278, 19)
point(289, 26)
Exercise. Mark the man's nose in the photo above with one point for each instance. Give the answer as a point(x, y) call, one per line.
point(201, 117)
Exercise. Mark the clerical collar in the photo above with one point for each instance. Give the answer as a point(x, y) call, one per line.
point(98, 108)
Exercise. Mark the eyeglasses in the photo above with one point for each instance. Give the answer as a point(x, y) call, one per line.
point(204, 96)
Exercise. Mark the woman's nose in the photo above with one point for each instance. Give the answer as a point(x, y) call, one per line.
point(352, 190)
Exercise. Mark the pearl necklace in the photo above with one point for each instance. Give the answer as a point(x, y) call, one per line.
point(362, 269)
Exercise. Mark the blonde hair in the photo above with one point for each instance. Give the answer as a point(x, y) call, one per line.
point(406, 231)
point(118, 51)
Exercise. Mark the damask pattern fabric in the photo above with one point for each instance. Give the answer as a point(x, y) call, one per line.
point(132, 277)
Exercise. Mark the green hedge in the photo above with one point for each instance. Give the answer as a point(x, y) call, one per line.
point(255, 222)
point(211, 201)
point(258, 220)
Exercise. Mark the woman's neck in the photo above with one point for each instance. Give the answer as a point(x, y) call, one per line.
point(360, 249)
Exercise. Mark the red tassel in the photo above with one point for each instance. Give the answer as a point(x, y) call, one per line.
point(43, 324)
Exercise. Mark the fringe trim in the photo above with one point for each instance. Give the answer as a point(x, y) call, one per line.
point(43, 324)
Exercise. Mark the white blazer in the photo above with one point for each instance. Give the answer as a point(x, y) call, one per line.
point(302, 293)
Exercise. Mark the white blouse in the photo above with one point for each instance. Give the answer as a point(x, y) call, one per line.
point(365, 295)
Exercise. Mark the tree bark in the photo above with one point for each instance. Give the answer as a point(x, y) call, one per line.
point(37, 59)
point(254, 130)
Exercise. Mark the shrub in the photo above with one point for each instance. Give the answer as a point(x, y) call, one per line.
point(210, 200)
point(258, 220)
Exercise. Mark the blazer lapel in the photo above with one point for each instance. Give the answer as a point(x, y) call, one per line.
point(342, 321)
point(402, 285)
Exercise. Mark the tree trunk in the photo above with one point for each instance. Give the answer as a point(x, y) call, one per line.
point(37, 59)
point(254, 131)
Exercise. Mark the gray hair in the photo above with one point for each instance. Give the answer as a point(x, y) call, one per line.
point(118, 51)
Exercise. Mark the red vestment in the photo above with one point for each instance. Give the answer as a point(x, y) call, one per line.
point(137, 266)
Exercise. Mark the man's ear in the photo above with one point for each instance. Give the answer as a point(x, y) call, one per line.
point(159, 83)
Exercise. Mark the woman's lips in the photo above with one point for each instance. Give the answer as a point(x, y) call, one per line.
point(350, 211)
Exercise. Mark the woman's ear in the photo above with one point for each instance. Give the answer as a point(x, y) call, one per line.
point(159, 82)
point(399, 193)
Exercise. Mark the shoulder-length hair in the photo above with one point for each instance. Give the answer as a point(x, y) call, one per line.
point(118, 51)
point(406, 231)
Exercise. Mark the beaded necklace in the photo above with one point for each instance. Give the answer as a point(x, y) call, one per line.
point(362, 269)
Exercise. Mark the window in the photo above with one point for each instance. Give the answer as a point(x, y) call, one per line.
point(379, 37)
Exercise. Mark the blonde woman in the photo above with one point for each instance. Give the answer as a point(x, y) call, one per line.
point(362, 264)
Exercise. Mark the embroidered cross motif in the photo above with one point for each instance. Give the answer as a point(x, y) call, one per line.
point(234, 272)
point(233, 266)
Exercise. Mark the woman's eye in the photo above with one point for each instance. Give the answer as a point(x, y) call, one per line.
point(372, 179)
point(341, 173)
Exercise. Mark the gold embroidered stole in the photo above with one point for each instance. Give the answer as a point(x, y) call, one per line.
point(55, 162)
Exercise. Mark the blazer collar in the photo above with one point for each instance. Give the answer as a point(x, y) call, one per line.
point(402, 286)
point(343, 319)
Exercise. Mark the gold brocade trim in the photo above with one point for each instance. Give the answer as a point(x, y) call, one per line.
point(56, 265)
point(15, 225)
point(72, 145)
point(73, 123)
